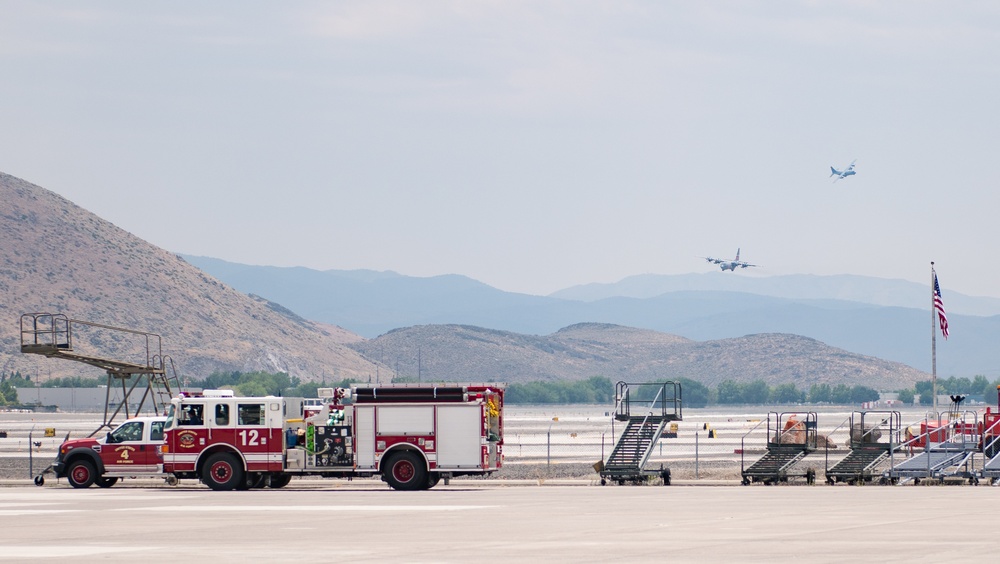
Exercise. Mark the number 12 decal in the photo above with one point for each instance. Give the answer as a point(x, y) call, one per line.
point(254, 439)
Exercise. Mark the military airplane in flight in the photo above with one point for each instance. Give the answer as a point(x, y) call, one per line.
point(849, 171)
point(725, 264)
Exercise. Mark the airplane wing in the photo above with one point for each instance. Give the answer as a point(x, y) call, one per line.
point(851, 166)
point(746, 264)
point(714, 260)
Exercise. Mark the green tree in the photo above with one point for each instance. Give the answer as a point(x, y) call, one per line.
point(820, 393)
point(694, 394)
point(862, 394)
point(925, 391)
point(787, 393)
point(756, 392)
point(8, 394)
point(906, 396)
point(841, 394)
point(729, 392)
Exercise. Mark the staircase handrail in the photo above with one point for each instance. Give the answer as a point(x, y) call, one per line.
point(994, 442)
point(893, 420)
point(642, 425)
point(849, 418)
point(743, 448)
point(809, 430)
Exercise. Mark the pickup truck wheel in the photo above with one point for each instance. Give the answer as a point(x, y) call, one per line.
point(405, 471)
point(222, 472)
point(280, 480)
point(81, 474)
point(103, 482)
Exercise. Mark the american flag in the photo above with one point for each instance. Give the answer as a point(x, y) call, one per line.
point(939, 306)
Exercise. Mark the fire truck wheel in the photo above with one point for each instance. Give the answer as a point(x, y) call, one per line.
point(433, 480)
point(81, 474)
point(222, 472)
point(257, 480)
point(405, 471)
point(103, 482)
point(280, 480)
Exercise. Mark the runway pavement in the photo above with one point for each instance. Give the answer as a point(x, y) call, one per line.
point(364, 521)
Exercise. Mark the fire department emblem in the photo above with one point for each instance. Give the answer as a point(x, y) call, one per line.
point(124, 453)
point(186, 439)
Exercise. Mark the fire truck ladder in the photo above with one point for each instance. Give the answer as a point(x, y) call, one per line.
point(874, 437)
point(51, 335)
point(661, 404)
point(949, 458)
point(791, 437)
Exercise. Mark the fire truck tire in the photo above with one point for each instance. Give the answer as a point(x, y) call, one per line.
point(405, 471)
point(280, 480)
point(81, 473)
point(103, 482)
point(222, 472)
point(433, 479)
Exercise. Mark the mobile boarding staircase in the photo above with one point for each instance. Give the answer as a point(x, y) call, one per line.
point(950, 445)
point(874, 437)
point(790, 438)
point(51, 335)
point(991, 448)
point(656, 404)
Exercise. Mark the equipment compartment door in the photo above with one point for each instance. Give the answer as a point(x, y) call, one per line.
point(364, 436)
point(459, 436)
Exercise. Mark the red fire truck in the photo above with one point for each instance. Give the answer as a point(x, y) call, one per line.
point(412, 435)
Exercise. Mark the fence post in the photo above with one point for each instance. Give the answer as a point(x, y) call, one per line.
point(696, 455)
point(548, 449)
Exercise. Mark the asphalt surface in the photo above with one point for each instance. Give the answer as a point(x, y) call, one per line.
point(364, 521)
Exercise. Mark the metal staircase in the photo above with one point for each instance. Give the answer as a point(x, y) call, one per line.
point(661, 404)
point(51, 335)
point(791, 437)
point(950, 446)
point(874, 437)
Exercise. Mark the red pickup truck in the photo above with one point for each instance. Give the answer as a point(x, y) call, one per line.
point(130, 451)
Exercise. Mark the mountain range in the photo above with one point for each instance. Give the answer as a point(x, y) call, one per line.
point(325, 326)
point(888, 319)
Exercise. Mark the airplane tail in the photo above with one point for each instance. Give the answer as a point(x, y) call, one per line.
point(737, 255)
point(833, 172)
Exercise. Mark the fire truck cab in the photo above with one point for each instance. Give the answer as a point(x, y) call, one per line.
point(132, 450)
point(412, 435)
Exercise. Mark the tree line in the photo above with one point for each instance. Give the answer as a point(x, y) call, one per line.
point(594, 390)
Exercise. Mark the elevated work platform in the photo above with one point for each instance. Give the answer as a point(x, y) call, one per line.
point(791, 437)
point(51, 335)
point(645, 409)
point(950, 447)
point(874, 437)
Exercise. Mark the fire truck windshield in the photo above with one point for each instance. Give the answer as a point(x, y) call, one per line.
point(170, 418)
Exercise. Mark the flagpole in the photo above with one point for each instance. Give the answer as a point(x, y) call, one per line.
point(933, 348)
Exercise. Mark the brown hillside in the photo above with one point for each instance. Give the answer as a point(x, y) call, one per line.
point(463, 353)
point(57, 257)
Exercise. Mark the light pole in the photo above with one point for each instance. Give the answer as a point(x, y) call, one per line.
point(548, 445)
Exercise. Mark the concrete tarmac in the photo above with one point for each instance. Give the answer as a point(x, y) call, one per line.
point(364, 521)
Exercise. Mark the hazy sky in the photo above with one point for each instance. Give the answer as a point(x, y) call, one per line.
point(529, 145)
